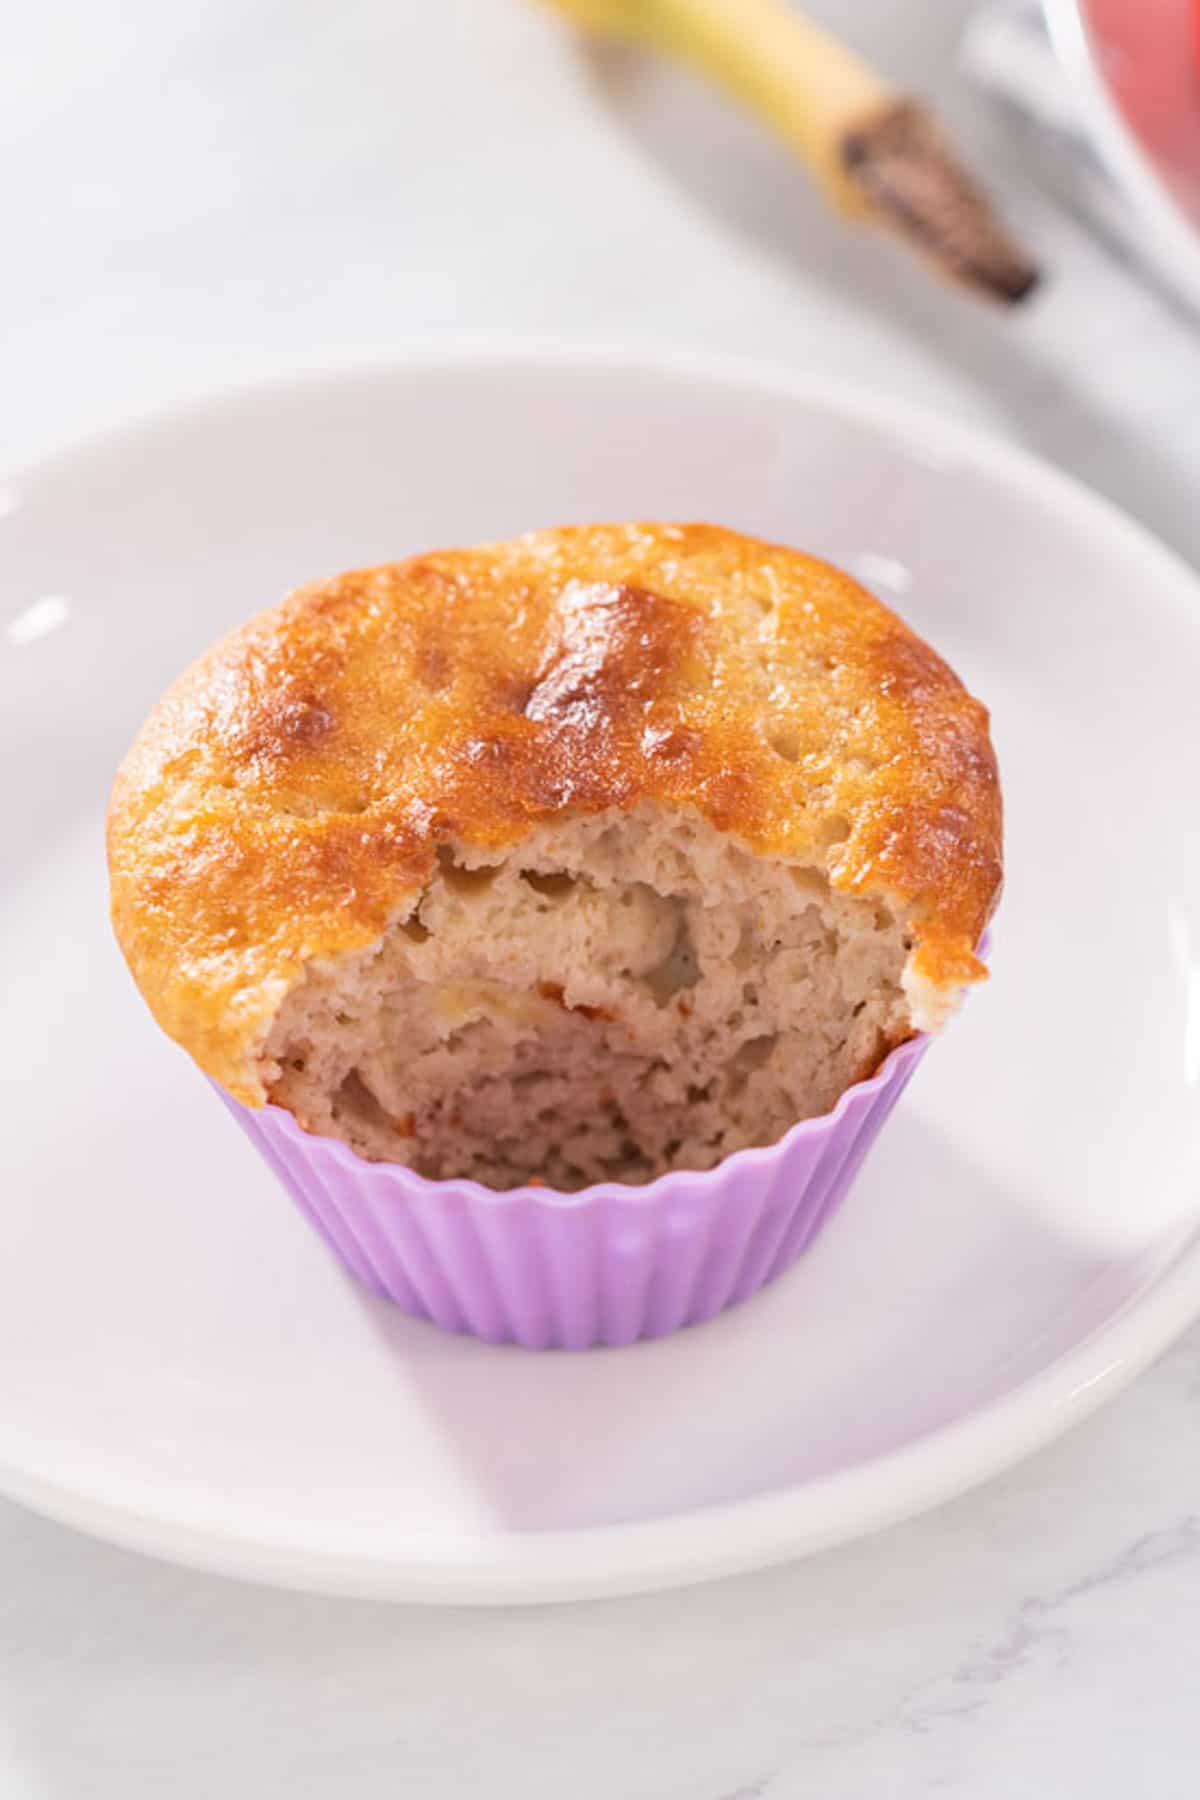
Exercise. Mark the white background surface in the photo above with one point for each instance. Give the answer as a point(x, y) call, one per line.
point(205, 193)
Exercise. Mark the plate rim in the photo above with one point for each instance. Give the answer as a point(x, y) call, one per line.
point(708, 1542)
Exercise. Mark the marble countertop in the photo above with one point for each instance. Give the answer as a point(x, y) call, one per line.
point(213, 192)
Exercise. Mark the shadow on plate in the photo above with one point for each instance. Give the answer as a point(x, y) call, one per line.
point(834, 1364)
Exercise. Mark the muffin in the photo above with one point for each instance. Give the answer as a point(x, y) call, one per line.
point(589, 865)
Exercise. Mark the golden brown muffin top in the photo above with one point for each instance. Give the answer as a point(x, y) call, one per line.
point(286, 798)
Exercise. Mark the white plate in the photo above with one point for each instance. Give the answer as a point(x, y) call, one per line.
point(182, 1368)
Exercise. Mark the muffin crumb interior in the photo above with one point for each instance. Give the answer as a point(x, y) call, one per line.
point(623, 994)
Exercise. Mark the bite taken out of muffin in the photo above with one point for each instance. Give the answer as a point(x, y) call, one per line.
point(597, 854)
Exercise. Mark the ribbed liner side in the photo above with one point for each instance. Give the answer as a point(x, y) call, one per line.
point(607, 1266)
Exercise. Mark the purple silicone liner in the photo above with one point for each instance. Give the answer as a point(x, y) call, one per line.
point(608, 1265)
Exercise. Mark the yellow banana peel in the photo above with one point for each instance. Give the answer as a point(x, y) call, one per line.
point(875, 154)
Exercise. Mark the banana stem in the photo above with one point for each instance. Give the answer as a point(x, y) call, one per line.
point(875, 155)
point(792, 74)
